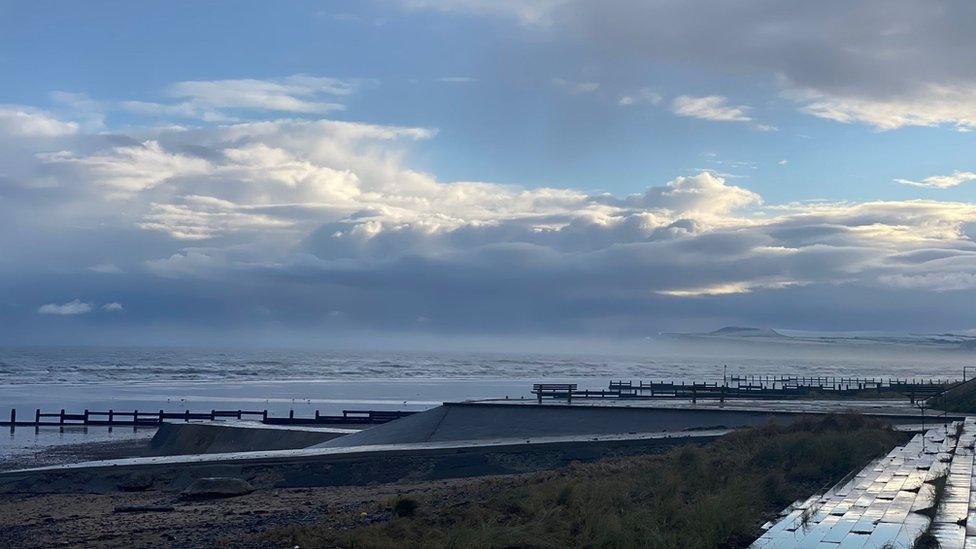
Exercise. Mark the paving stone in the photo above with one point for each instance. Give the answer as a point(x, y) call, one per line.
point(877, 507)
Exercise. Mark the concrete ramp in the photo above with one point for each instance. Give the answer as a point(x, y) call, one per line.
point(174, 439)
point(490, 421)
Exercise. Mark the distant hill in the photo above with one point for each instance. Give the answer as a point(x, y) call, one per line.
point(946, 341)
point(740, 331)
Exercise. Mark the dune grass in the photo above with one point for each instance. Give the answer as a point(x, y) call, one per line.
point(715, 495)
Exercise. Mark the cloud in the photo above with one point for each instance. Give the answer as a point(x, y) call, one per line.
point(75, 307)
point(222, 100)
point(534, 13)
point(642, 96)
point(112, 307)
point(88, 113)
point(941, 181)
point(575, 88)
point(939, 282)
point(291, 94)
point(134, 167)
point(883, 63)
point(18, 120)
point(457, 79)
point(711, 107)
point(930, 105)
point(302, 217)
point(728, 288)
point(703, 193)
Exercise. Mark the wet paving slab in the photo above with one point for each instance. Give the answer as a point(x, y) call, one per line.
point(891, 502)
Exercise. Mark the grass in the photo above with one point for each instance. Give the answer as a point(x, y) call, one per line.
point(965, 404)
point(926, 540)
point(714, 495)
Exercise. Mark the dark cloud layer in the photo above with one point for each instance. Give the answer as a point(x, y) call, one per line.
point(886, 63)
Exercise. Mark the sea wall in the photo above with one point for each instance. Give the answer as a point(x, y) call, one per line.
point(489, 421)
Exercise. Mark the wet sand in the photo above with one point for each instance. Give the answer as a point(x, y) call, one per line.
point(72, 453)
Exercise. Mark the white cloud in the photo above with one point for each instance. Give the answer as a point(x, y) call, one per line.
point(729, 288)
point(704, 193)
point(711, 107)
point(75, 307)
point(178, 110)
point(132, 168)
point(112, 307)
point(930, 105)
point(642, 96)
point(223, 100)
point(26, 121)
point(296, 94)
point(457, 79)
point(941, 181)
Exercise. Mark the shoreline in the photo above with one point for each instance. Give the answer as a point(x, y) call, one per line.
point(72, 452)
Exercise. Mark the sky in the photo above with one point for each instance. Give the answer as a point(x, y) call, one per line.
point(321, 172)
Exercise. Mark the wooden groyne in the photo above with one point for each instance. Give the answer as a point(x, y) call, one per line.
point(138, 418)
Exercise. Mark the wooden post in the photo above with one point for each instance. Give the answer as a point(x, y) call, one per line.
point(291, 414)
point(213, 414)
point(264, 416)
point(61, 418)
point(135, 417)
point(316, 415)
point(37, 417)
point(111, 416)
point(186, 415)
point(13, 416)
point(86, 416)
point(160, 416)
point(238, 414)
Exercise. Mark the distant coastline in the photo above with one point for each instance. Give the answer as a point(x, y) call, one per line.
point(740, 334)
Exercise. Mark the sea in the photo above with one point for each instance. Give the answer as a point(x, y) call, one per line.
point(303, 381)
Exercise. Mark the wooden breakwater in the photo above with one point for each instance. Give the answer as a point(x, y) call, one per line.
point(138, 418)
point(761, 387)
